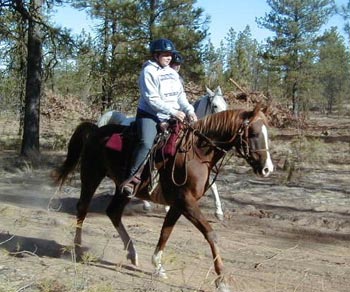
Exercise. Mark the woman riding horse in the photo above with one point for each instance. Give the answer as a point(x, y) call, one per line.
point(161, 97)
point(184, 177)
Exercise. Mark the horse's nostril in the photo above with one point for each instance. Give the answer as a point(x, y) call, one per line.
point(265, 171)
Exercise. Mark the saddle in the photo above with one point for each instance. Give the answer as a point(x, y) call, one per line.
point(164, 144)
point(164, 147)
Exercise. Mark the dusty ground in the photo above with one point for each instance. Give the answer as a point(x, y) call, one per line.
point(290, 232)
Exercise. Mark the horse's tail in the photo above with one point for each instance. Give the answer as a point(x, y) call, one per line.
point(75, 147)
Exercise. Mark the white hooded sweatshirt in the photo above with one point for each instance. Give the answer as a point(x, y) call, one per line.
point(162, 92)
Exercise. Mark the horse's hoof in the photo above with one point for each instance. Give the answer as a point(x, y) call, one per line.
point(133, 258)
point(219, 216)
point(221, 285)
point(160, 273)
point(147, 206)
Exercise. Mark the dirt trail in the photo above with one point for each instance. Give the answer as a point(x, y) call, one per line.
point(278, 234)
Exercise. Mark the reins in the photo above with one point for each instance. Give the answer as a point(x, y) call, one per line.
point(243, 149)
point(187, 149)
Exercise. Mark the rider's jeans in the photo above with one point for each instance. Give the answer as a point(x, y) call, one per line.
point(146, 132)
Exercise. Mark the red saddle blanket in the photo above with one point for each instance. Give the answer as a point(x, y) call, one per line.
point(115, 142)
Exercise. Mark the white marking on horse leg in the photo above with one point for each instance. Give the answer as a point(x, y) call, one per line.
point(221, 285)
point(128, 244)
point(218, 208)
point(157, 262)
point(147, 205)
point(268, 167)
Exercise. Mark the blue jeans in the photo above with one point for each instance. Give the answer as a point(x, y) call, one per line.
point(146, 128)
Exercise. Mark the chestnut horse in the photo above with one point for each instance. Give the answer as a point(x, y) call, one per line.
point(183, 178)
point(212, 102)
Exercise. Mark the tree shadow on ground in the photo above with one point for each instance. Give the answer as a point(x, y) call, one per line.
point(20, 246)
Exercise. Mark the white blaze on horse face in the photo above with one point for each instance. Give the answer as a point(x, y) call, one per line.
point(268, 167)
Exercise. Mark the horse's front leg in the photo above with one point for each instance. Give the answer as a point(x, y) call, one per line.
point(114, 212)
point(169, 222)
point(193, 213)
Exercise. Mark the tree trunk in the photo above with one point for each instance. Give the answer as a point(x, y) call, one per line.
point(30, 141)
point(295, 100)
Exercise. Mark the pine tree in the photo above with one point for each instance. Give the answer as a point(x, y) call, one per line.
point(296, 24)
point(124, 30)
point(344, 11)
point(333, 68)
point(25, 29)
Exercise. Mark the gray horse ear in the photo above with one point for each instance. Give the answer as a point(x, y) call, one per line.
point(209, 91)
point(218, 90)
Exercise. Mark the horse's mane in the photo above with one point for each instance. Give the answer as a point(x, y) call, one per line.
point(227, 122)
point(224, 122)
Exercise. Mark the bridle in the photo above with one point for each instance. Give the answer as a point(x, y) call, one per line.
point(242, 136)
point(243, 148)
point(209, 104)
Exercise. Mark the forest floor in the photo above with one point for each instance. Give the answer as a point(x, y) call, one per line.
point(288, 232)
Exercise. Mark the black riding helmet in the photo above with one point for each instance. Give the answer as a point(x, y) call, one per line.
point(177, 58)
point(162, 45)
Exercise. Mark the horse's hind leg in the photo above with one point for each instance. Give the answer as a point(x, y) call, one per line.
point(218, 207)
point(88, 188)
point(114, 212)
point(169, 222)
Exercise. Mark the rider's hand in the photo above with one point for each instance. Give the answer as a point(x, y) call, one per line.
point(180, 116)
point(192, 117)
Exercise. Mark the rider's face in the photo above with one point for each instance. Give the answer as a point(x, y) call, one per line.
point(164, 58)
point(176, 67)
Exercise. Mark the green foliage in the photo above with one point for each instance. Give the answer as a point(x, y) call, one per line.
point(296, 24)
point(299, 65)
point(303, 151)
point(309, 150)
point(123, 31)
point(344, 11)
point(333, 69)
point(51, 285)
point(242, 58)
point(213, 65)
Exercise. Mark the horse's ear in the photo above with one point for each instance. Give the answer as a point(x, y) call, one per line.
point(209, 91)
point(218, 90)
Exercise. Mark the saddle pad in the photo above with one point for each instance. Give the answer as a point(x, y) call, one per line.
point(115, 142)
point(170, 147)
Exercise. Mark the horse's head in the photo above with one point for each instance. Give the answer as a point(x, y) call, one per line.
point(253, 141)
point(216, 101)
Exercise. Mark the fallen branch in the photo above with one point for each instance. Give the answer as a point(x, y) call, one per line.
point(239, 87)
point(12, 236)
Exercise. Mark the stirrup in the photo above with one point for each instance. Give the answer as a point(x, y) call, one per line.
point(128, 187)
point(127, 190)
